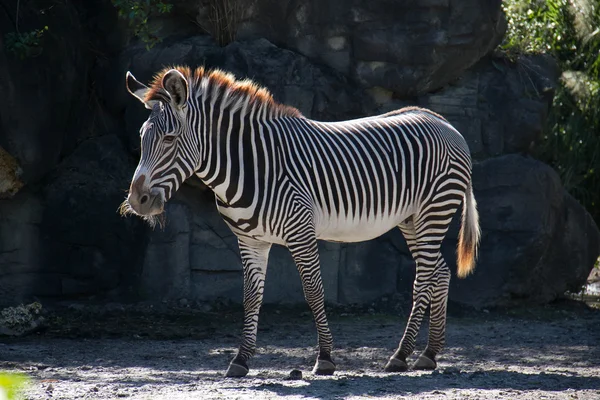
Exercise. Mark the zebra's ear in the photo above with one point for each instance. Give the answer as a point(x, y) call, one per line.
point(176, 85)
point(138, 90)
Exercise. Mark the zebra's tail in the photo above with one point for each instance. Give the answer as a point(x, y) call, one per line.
point(470, 233)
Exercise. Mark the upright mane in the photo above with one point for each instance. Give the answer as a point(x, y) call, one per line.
point(236, 91)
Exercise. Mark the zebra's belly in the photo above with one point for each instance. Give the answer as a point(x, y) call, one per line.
point(335, 229)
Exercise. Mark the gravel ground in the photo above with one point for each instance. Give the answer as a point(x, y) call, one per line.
point(550, 352)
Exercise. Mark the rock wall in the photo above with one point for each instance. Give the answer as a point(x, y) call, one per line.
point(407, 47)
point(64, 172)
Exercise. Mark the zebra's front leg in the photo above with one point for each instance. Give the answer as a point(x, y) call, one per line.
point(254, 256)
point(306, 256)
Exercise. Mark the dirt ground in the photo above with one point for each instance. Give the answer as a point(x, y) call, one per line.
point(116, 351)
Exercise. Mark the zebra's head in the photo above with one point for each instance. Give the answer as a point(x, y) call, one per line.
point(169, 150)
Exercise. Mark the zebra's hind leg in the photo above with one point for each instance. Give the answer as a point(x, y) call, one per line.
point(437, 318)
point(304, 249)
point(254, 256)
point(424, 247)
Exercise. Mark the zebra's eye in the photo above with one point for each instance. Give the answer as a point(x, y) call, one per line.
point(168, 139)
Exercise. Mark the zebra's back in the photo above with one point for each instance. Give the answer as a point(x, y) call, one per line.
point(364, 177)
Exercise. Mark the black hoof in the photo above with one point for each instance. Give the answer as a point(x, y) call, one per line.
point(424, 363)
point(396, 365)
point(236, 371)
point(324, 367)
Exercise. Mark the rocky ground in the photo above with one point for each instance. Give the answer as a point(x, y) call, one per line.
point(141, 352)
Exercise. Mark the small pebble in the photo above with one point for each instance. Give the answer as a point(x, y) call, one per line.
point(295, 375)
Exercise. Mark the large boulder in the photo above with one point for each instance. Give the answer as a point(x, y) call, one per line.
point(537, 242)
point(573, 252)
point(500, 105)
point(408, 47)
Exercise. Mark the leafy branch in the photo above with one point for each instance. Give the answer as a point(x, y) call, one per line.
point(137, 13)
point(26, 44)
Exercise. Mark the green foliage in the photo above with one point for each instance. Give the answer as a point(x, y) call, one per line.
point(11, 384)
point(138, 12)
point(27, 44)
point(570, 31)
point(536, 26)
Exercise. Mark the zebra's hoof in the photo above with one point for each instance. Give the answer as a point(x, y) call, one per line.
point(324, 367)
point(236, 371)
point(424, 363)
point(395, 365)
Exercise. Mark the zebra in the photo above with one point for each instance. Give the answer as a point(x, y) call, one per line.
point(281, 178)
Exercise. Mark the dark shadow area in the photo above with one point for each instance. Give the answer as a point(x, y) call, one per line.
point(402, 384)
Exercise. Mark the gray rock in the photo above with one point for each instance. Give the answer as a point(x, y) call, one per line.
point(499, 106)
point(284, 285)
point(536, 241)
point(166, 269)
point(84, 237)
point(408, 47)
point(572, 253)
point(22, 248)
point(369, 270)
point(294, 375)
point(21, 320)
point(206, 286)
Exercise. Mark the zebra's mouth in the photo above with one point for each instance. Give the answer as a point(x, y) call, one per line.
point(152, 210)
point(156, 208)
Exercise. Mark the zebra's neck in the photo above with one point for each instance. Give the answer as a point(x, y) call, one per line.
point(236, 139)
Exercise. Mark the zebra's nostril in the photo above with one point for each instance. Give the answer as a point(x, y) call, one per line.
point(144, 199)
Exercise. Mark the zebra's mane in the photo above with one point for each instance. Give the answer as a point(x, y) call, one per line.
point(236, 91)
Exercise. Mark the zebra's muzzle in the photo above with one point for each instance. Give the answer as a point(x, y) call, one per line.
point(146, 203)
